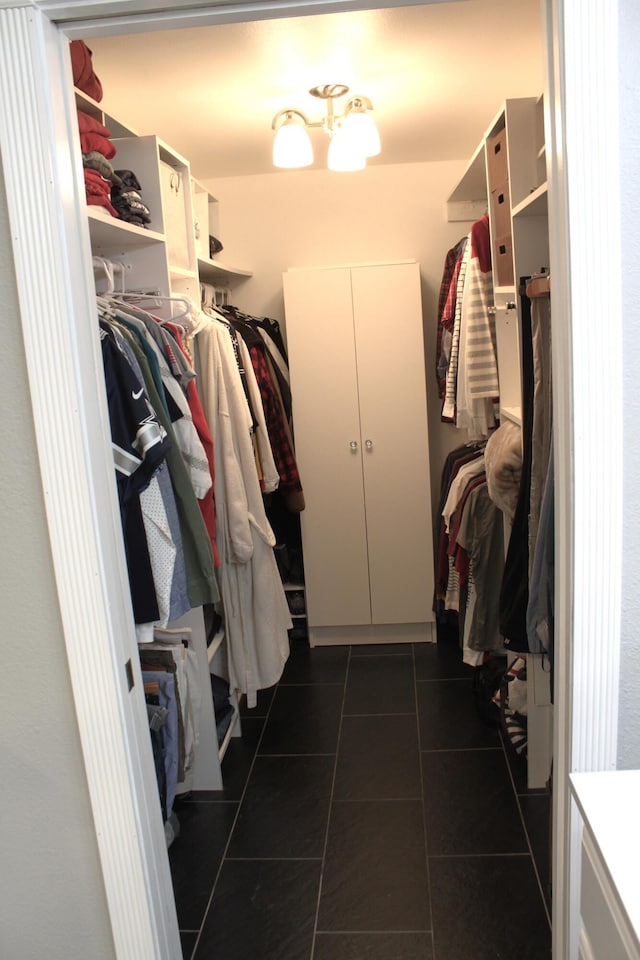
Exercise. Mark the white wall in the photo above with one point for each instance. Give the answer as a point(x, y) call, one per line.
point(629, 725)
point(52, 900)
point(315, 217)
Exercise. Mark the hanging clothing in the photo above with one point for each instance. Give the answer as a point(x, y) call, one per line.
point(140, 445)
point(514, 590)
point(256, 612)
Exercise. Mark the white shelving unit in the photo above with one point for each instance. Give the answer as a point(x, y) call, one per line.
point(507, 178)
point(207, 223)
point(167, 258)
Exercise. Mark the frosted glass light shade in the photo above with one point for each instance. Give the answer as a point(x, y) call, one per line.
point(345, 153)
point(363, 129)
point(292, 146)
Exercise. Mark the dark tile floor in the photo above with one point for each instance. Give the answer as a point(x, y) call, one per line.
point(367, 814)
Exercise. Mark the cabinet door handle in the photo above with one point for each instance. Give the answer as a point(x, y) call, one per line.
point(368, 444)
point(354, 445)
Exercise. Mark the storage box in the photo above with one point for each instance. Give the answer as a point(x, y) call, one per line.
point(497, 159)
point(503, 261)
point(501, 211)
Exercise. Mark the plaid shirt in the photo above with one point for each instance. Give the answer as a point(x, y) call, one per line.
point(281, 447)
point(446, 310)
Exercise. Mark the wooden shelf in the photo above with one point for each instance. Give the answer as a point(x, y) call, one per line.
point(512, 413)
point(109, 232)
point(182, 273)
point(216, 270)
point(535, 205)
point(473, 183)
point(88, 105)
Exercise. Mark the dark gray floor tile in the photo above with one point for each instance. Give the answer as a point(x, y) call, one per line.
point(304, 719)
point(448, 717)
point(486, 908)
point(536, 810)
point(378, 759)
point(188, 942)
point(262, 909)
point(375, 875)
point(285, 808)
point(380, 684)
point(373, 946)
point(261, 708)
point(440, 661)
point(316, 665)
point(195, 857)
point(238, 759)
point(380, 649)
point(470, 806)
point(518, 766)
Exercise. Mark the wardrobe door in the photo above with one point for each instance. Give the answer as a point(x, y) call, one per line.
point(393, 412)
point(324, 385)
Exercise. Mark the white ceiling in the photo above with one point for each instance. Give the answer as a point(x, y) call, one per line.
point(436, 75)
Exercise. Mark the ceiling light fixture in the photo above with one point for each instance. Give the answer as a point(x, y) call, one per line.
point(354, 135)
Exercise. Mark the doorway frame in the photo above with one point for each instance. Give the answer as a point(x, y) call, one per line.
point(50, 248)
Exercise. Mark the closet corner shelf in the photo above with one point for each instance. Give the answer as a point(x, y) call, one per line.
point(292, 586)
point(216, 270)
point(511, 413)
point(88, 105)
point(97, 110)
point(472, 186)
point(109, 232)
point(535, 205)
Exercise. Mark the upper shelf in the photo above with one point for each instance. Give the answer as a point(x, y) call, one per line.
point(535, 205)
point(107, 231)
point(214, 270)
point(473, 184)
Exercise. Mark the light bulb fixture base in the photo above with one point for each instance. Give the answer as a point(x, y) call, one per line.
point(354, 135)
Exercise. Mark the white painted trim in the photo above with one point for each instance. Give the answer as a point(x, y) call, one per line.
point(57, 311)
point(585, 266)
point(99, 17)
point(582, 107)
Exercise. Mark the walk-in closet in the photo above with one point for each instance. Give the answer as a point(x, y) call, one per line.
point(316, 420)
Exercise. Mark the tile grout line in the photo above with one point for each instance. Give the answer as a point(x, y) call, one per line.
point(526, 831)
point(233, 825)
point(423, 805)
point(333, 785)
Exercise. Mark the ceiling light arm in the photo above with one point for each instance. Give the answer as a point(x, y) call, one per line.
point(358, 104)
point(288, 114)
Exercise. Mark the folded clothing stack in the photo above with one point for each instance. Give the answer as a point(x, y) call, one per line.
point(97, 151)
point(98, 190)
point(84, 77)
point(94, 136)
point(127, 200)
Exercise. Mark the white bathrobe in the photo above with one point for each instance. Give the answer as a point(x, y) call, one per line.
point(255, 607)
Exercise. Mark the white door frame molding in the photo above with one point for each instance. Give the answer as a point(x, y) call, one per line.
point(55, 285)
point(584, 221)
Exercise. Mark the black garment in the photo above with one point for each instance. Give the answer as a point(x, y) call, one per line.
point(514, 592)
point(129, 413)
point(273, 329)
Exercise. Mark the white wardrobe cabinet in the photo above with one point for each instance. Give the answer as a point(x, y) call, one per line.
point(356, 355)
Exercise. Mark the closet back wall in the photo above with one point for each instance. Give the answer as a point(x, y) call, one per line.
point(316, 218)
